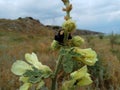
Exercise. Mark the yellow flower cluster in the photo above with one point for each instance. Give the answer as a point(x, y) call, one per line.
point(55, 45)
point(87, 56)
point(78, 78)
point(20, 67)
point(69, 25)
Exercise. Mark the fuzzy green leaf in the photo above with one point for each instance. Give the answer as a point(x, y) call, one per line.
point(63, 51)
point(34, 79)
point(35, 75)
point(74, 54)
point(68, 63)
point(34, 72)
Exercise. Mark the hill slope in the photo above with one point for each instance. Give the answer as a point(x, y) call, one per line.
point(29, 24)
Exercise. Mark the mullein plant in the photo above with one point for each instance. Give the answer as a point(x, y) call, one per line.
point(34, 72)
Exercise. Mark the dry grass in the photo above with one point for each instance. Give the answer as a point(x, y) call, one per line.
point(13, 46)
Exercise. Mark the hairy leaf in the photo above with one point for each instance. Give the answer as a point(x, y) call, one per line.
point(35, 79)
point(63, 51)
point(68, 63)
point(74, 54)
point(35, 75)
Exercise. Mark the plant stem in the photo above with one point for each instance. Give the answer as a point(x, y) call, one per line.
point(65, 37)
point(54, 79)
point(68, 12)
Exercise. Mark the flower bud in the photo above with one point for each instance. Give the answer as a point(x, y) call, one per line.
point(77, 41)
point(55, 45)
point(66, 18)
point(64, 9)
point(69, 8)
point(69, 25)
point(88, 56)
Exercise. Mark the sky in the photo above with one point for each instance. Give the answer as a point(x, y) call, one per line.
point(96, 15)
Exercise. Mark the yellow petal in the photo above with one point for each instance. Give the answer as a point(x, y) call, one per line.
point(77, 41)
point(19, 67)
point(25, 86)
point(23, 79)
point(55, 45)
point(32, 59)
point(40, 84)
point(86, 80)
point(68, 85)
point(46, 69)
point(88, 56)
point(79, 73)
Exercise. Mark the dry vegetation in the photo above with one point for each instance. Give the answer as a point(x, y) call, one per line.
point(14, 44)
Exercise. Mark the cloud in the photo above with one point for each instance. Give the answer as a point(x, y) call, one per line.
point(97, 15)
point(115, 15)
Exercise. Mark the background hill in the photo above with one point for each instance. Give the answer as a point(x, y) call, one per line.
point(26, 35)
point(30, 24)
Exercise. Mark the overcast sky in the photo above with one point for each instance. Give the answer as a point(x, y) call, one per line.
point(95, 15)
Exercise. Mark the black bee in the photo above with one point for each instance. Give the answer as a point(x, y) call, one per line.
point(60, 37)
point(76, 82)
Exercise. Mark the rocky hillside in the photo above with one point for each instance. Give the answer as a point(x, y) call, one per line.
point(28, 24)
point(78, 31)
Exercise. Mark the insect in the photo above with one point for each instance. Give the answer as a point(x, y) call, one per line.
point(60, 37)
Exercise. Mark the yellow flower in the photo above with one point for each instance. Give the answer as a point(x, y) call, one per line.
point(24, 79)
point(81, 76)
point(24, 70)
point(19, 67)
point(25, 86)
point(69, 25)
point(40, 84)
point(79, 73)
point(88, 56)
point(78, 78)
point(55, 45)
point(86, 80)
point(68, 85)
point(32, 59)
point(77, 41)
